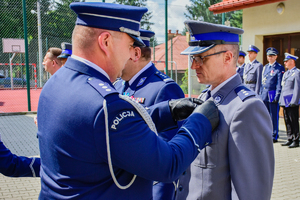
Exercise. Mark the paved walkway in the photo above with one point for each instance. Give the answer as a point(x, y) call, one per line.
point(18, 133)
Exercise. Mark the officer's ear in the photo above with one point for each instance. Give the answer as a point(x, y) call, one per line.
point(137, 54)
point(104, 41)
point(228, 57)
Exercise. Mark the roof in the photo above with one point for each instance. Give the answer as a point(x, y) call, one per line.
point(179, 44)
point(232, 5)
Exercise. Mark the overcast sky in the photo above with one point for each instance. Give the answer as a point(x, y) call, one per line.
point(176, 10)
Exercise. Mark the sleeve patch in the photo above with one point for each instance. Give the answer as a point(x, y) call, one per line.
point(119, 118)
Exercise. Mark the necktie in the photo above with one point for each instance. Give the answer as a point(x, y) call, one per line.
point(126, 85)
point(208, 95)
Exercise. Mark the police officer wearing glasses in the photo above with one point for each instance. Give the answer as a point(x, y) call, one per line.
point(239, 163)
point(98, 144)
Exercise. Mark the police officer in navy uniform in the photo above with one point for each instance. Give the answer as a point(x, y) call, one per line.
point(239, 163)
point(290, 100)
point(96, 143)
point(241, 64)
point(144, 83)
point(271, 87)
point(253, 70)
point(66, 52)
point(17, 166)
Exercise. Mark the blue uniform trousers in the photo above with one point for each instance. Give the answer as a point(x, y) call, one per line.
point(273, 109)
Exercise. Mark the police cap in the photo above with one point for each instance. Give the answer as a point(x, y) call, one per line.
point(207, 35)
point(115, 17)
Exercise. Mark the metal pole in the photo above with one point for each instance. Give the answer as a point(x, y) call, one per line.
point(103, 1)
point(153, 50)
point(166, 36)
point(175, 70)
point(189, 76)
point(171, 57)
point(223, 18)
point(11, 71)
point(26, 53)
point(40, 41)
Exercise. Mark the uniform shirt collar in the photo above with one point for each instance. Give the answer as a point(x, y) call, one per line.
point(253, 62)
point(90, 64)
point(292, 69)
point(241, 65)
point(140, 72)
point(214, 91)
point(271, 65)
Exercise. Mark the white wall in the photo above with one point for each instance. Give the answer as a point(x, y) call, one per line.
point(264, 20)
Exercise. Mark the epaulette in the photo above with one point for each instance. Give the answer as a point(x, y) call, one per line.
point(102, 87)
point(163, 77)
point(244, 92)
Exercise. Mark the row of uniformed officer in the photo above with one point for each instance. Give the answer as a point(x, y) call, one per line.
point(290, 100)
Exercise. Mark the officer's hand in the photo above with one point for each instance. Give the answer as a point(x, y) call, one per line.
point(210, 111)
point(292, 105)
point(182, 108)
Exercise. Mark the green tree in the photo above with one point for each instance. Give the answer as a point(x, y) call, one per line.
point(199, 11)
point(145, 22)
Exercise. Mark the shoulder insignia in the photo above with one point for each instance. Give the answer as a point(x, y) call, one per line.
point(141, 81)
point(244, 92)
point(102, 87)
point(163, 77)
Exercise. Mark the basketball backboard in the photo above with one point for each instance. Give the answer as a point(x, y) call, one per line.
point(12, 45)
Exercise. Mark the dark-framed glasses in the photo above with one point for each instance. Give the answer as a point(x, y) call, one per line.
point(199, 59)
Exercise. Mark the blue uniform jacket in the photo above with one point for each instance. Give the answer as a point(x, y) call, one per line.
point(253, 75)
point(240, 70)
point(72, 137)
point(271, 81)
point(290, 87)
point(18, 166)
point(152, 87)
point(149, 88)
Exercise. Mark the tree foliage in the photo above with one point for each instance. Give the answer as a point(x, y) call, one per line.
point(199, 11)
point(145, 22)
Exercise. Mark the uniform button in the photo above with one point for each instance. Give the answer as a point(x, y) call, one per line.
point(180, 188)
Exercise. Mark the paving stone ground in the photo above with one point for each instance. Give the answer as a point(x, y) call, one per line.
point(18, 132)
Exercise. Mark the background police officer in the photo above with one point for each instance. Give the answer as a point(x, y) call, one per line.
point(271, 87)
point(290, 99)
point(241, 64)
point(253, 70)
point(66, 52)
point(96, 143)
point(239, 163)
point(144, 83)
